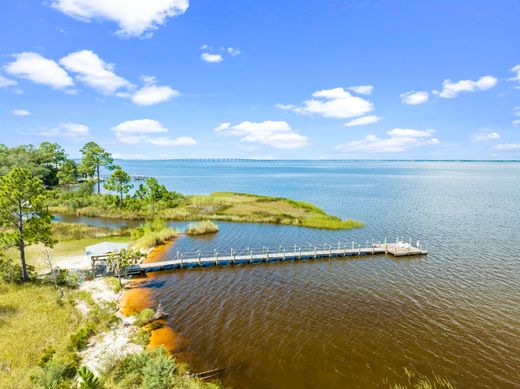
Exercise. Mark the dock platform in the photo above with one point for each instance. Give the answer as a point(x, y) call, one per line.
point(295, 253)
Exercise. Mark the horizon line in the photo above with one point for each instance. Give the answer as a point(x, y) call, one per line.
point(312, 160)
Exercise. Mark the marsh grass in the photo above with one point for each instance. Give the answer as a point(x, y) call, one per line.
point(74, 231)
point(152, 233)
point(227, 206)
point(201, 228)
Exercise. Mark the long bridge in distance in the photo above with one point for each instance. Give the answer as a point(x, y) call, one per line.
point(399, 248)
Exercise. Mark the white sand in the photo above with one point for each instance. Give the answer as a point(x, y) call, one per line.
point(114, 343)
point(72, 262)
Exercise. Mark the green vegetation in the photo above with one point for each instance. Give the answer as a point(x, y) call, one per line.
point(42, 309)
point(201, 228)
point(95, 157)
point(23, 215)
point(44, 161)
point(118, 262)
point(144, 317)
point(58, 366)
point(219, 206)
point(149, 369)
point(119, 182)
point(150, 199)
point(71, 231)
point(45, 318)
point(152, 233)
point(88, 379)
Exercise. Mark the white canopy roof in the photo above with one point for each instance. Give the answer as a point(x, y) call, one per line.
point(104, 248)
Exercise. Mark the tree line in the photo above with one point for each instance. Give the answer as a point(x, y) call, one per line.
point(30, 175)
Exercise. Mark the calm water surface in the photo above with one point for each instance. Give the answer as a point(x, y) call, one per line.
point(355, 322)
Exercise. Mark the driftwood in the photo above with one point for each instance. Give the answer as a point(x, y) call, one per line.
point(209, 374)
point(215, 373)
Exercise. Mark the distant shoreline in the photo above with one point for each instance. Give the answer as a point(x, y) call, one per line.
point(319, 160)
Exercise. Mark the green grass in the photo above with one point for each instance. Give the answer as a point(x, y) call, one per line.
point(149, 369)
point(202, 228)
point(33, 318)
point(228, 206)
point(73, 231)
point(152, 233)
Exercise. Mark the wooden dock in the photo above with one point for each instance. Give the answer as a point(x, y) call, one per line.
point(133, 177)
point(295, 253)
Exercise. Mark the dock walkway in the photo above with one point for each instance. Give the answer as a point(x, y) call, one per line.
point(397, 249)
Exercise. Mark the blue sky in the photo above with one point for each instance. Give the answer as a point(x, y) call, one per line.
point(265, 79)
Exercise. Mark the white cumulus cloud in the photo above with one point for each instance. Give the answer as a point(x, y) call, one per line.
point(363, 120)
point(211, 58)
point(73, 130)
point(362, 89)
point(399, 139)
point(233, 51)
point(335, 103)
point(6, 83)
point(414, 98)
point(134, 17)
point(94, 72)
point(483, 136)
point(21, 112)
point(285, 107)
point(452, 89)
point(515, 69)
point(508, 147)
point(38, 69)
point(152, 94)
point(180, 141)
point(277, 134)
point(143, 130)
point(216, 55)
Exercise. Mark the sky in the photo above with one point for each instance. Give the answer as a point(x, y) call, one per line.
point(349, 79)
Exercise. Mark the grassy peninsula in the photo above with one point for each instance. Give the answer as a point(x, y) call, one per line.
point(219, 206)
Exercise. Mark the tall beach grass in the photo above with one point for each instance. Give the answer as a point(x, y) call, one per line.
point(152, 233)
point(202, 228)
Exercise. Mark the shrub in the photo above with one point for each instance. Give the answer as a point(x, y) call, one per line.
point(88, 379)
point(57, 372)
point(11, 272)
point(64, 277)
point(141, 337)
point(201, 228)
point(79, 339)
point(144, 317)
point(47, 355)
point(150, 369)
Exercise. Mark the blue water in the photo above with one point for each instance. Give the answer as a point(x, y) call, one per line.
point(356, 323)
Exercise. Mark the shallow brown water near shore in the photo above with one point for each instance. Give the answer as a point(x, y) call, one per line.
point(140, 297)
